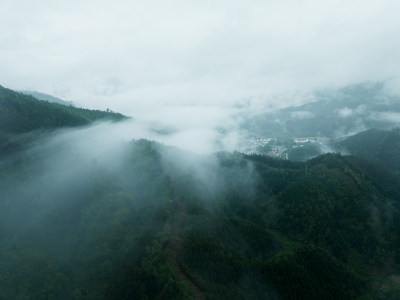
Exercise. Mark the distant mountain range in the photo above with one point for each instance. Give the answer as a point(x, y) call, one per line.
point(21, 113)
point(141, 220)
point(334, 113)
point(378, 146)
point(47, 97)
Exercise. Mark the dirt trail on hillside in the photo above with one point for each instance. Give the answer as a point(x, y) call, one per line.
point(174, 246)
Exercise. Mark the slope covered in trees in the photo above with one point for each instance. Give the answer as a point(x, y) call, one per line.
point(47, 97)
point(140, 220)
point(21, 113)
point(236, 226)
point(23, 119)
point(381, 147)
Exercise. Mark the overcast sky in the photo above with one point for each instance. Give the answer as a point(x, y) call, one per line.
point(134, 55)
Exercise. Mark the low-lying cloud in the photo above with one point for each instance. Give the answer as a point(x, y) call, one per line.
point(387, 116)
point(128, 56)
point(189, 72)
point(301, 115)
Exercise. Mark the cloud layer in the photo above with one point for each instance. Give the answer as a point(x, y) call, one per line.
point(183, 65)
point(124, 53)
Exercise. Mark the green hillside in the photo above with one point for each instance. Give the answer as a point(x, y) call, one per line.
point(166, 224)
point(21, 113)
point(47, 97)
point(381, 147)
point(141, 220)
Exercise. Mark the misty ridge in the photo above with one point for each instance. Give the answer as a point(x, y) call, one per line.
point(219, 204)
point(66, 191)
point(330, 115)
point(214, 150)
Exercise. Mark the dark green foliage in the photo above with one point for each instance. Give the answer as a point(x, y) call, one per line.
point(100, 236)
point(149, 278)
point(21, 113)
point(381, 147)
point(223, 272)
point(304, 152)
point(212, 260)
point(311, 273)
point(161, 221)
point(310, 211)
point(339, 204)
point(46, 97)
point(274, 163)
point(247, 227)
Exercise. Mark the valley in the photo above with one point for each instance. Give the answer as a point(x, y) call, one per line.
point(87, 215)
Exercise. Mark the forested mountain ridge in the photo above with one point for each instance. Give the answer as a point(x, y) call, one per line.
point(83, 216)
point(239, 226)
point(47, 97)
point(21, 113)
point(331, 113)
point(381, 147)
point(23, 119)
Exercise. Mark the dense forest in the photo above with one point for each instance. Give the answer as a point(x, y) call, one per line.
point(23, 119)
point(20, 113)
point(381, 147)
point(47, 97)
point(157, 222)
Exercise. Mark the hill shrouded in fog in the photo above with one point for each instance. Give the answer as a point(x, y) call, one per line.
point(47, 97)
point(381, 147)
point(214, 150)
point(332, 113)
point(20, 113)
point(331, 120)
point(85, 214)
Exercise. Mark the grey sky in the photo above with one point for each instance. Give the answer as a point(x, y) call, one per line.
point(132, 56)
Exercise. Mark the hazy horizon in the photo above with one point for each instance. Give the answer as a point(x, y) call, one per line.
point(196, 68)
point(132, 57)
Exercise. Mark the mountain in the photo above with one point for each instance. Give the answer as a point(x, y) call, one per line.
point(162, 223)
point(87, 216)
point(21, 113)
point(333, 113)
point(24, 118)
point(381, 147)
point(47, 97)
